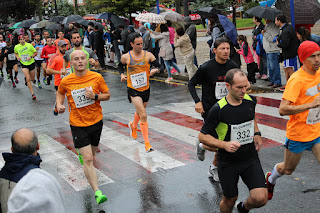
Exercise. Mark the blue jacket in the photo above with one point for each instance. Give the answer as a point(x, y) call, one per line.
point(17, 165)
point(259, 48)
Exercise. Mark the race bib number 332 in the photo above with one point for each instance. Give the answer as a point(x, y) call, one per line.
point(243, 133)
point(80, 99)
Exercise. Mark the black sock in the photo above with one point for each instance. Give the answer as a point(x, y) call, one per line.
point(15, 74)
point(241, 208)
point(11, 78)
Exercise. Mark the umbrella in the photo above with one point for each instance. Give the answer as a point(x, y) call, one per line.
point(155, 10)
point(34, 26)
point(44, 23)
point(207, 12)
point(53, 27)
point(116, 20)
point(305, 11)
point(71, 18)
point(11, 24)
point(264, 12)
point(16, 26)
point(98, 24)
point(151, 18)
point(172, 16)
point(229, 28)
point(56, 19)
point(3, 26)
point(83, 22)
point(27, 23)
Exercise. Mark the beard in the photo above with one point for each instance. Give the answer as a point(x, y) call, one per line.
point(77, 44)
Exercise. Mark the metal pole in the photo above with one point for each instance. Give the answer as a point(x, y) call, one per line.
point(158, 9)
point(292, 13)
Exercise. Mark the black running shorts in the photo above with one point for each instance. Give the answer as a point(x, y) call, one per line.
point(144, 95)
point(11, 64)
point(250, 172)
point(29, 67)
point(84, 136)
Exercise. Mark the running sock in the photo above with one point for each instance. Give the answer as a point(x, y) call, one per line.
point(241, 208)
point(274, 175)
point(11, 79)
point(136, 119)
point(15, 74)
point(213, 166)
point(144, 131)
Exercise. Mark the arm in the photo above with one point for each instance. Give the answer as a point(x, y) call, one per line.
point(51, 71)
point(158, 36)
point(178, 42)
point(121, 67)
point(44, 53)
point(257, 138)
point(245, 50)
point(192, 89)
point(153, 63)
point(101, 97)
point(284, 40)
point(286, 108)
point(59, 100)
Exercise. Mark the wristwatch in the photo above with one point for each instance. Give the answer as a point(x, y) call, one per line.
point(257, 133)
point(96, 96)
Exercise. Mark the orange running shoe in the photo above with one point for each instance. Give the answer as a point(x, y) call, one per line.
point(148, 147)
point(133, 131)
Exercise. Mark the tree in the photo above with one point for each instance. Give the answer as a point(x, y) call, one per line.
point(65, 9)
point(124, 7)
point(19, 9)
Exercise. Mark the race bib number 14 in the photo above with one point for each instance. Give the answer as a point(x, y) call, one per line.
point(221, 90)
point(80, 99)
point(243, 133)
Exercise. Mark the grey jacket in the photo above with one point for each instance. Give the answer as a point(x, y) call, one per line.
point(271, 31)
point(191, 31)
point(164, 43)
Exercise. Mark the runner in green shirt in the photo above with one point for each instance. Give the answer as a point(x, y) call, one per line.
point(25, 53)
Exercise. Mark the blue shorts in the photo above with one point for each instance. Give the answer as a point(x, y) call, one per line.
point(39, 62)
point(291, 62)
point(297, 147)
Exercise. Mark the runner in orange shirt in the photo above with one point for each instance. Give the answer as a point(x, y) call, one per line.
point(61, 38)
point(301, 101)
point(84, 90)
point(55, 67)
point(138, 64)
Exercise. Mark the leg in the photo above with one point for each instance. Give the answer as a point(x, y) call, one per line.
point(316, 151)
point(88, 167)
point(1, 67)
point(167, 64)
point(15, 67)
point(44, 67)
point(290, 71)
point(38, 73)
point(291, 161)
point(32, 73)
point(258, 197)
point(28, 79)
point(227, 204)
point(176, 67)
point(140, 107)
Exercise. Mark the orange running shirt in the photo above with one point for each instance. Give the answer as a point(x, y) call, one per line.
point(138, 73)
point(303, 88)
point(56, 63)
point(84, 112)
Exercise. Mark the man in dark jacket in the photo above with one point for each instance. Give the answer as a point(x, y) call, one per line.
point(125, 38)
point(99, 45)
point(191, 31)
point(23, 158)
point(289, 43)
point(116, 38)
point(91, 37)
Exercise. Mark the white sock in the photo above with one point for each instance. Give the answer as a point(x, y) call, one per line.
point(201, 146)
point(274, 175)
point(212, 166)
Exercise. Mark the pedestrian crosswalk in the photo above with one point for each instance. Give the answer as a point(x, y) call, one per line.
point(173, 132)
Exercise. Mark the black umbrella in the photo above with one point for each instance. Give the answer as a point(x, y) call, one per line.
point(56, 19)
point(305, 11)
point(208, 12)
point(264, 12)
point(27, 23)
point(83, 22)
point(116, 20)
point(98, 24)
point(54, 27)
point(71, 18)
point(4, 26)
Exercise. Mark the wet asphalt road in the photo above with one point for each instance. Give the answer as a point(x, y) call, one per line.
point(134, 189)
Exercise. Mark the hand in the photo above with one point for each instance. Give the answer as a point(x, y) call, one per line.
point(29, 58)
point(237, 50)
point(232, 146)
point(316, 102)
point(61, 108)
point(89, 93)
point(18, 58)
point(95, 51)
point(37, 48)
point(5, 51)
point(123, 77)
point(63, 71)
point(257, 142)
point(92, 61)
point(199, 107)
point(154, 71)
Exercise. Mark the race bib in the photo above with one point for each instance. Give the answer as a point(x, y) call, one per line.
point(38, 56)
point(24, 57)
point(68, 70)
point(50, 55)
point(139, 80)
point(243, 133)
point(221, 90)
point(313, 116)
point(11, 57)
point(80, 98)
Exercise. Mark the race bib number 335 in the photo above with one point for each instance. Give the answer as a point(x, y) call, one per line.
point(243, 133)
point(80, 99)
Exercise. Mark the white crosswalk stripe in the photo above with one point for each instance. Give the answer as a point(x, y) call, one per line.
point(136, 152)
point(66, 164)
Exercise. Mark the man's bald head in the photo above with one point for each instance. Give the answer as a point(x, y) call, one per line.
point(77, 53)
point(79, 61)
point(24, 141)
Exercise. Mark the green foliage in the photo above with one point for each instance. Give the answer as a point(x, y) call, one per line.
point(218, 4)
point(123, 7)
point(18, 9)
point(65, 9)
point(248, 5)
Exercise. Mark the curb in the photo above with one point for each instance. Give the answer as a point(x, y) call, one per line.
point(243, 28)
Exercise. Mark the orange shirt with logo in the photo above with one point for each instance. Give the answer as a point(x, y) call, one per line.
point(56, 63)
point(138, 73)
point(303, 88)
point(87, 115)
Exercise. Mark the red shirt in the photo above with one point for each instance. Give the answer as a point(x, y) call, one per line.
point(48, 51)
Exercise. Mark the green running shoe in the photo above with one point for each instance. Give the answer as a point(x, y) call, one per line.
point(80, 157)
point(39, 85)
point(100, 198)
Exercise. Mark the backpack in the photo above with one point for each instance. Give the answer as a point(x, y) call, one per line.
point(259, 48)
